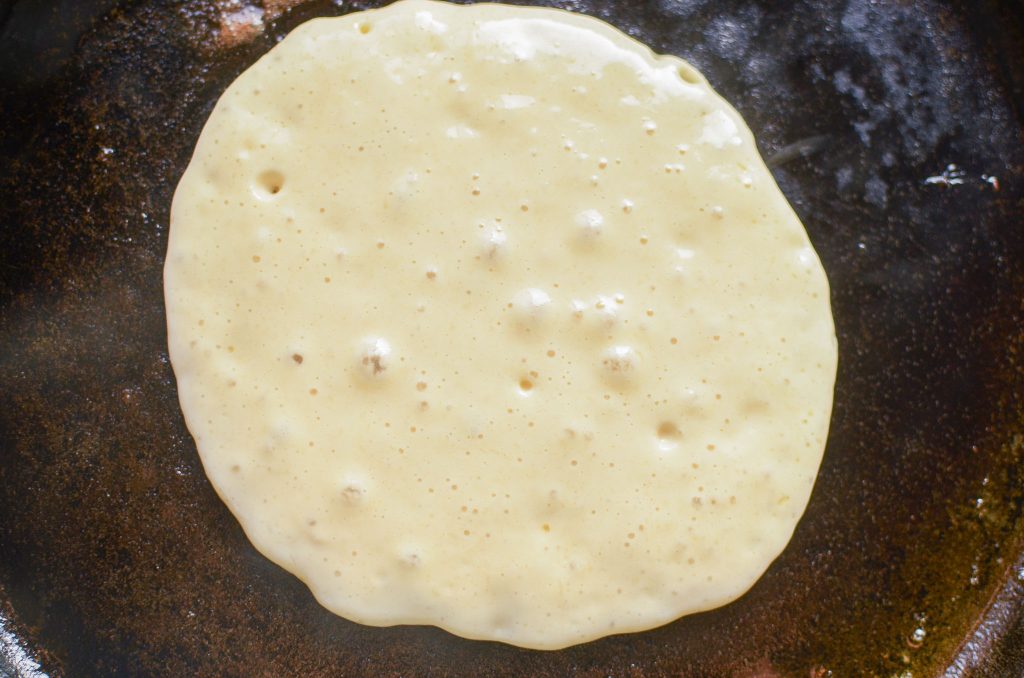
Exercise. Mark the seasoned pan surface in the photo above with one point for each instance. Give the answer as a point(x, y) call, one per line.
point(117, 557)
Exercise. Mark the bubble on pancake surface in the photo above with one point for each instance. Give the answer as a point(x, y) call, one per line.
point(375, 357)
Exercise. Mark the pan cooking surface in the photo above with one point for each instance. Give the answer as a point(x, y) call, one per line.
point(896, 133)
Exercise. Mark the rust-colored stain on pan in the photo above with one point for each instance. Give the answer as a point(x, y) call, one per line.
point(117, 558)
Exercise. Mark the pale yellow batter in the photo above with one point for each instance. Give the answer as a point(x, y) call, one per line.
point(489, 318)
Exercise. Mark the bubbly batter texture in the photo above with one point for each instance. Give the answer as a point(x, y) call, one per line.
point(489, 318)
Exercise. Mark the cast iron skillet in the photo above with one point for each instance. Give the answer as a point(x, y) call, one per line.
point(117, 558)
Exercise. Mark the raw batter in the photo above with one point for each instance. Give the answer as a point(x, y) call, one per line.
point(489, 318)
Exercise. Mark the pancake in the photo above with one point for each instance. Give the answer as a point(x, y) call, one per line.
point(489, 318)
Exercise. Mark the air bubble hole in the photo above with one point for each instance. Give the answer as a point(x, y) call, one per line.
point(669, 435)
point(689, 74)
point(269, 183)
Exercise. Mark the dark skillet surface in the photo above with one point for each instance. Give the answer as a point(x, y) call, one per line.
point(117, 558)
